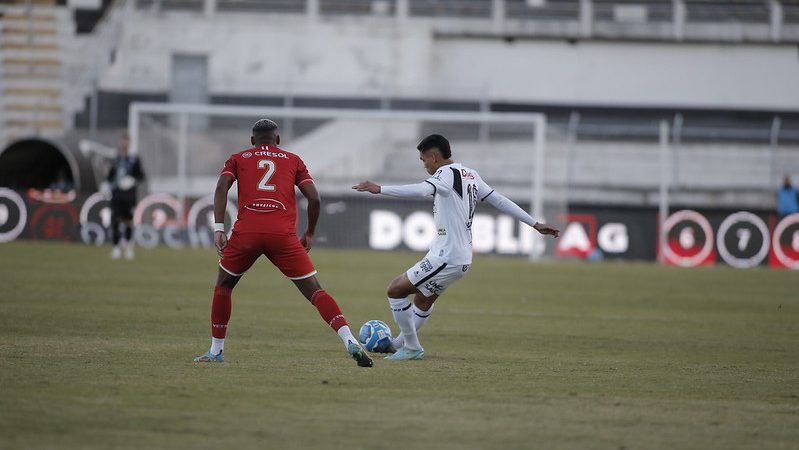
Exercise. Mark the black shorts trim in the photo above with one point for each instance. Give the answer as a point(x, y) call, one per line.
point(431, 275)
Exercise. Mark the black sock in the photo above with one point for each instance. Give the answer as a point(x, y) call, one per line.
point(115, 234)
point(128, 233)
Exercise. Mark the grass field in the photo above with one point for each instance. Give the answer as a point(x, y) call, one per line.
point(97, 354)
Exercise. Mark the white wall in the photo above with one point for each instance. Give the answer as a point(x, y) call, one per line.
point(640, 74)
point(268, 54)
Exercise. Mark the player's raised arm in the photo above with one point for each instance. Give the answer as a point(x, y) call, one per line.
point(220, 205)
point(510, 208)
point(311, 194)
point(423, 189)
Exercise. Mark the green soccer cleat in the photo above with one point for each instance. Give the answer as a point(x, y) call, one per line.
point(359, 355)
point(207, 357)
point(405, 354)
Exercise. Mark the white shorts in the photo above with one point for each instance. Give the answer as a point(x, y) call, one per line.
point(433, 277)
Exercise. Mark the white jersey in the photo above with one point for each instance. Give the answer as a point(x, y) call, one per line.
point(457, 191)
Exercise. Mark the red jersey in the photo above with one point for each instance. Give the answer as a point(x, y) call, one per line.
point(267, 176)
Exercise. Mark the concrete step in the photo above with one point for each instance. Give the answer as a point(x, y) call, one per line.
point(41, 124)
point(31, 92)
point(30, 75)
point(22, 5)
point(29, 54)
point(25, 30)
point(18, 107)
point(29, 46)
point(34, 16)
point(34, 82)
point(28, 117)
point(20, 61)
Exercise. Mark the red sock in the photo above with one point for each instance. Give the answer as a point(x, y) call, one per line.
point(328, 309)
point(220, 312)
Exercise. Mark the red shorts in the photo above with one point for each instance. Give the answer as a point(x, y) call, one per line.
point(283, 250)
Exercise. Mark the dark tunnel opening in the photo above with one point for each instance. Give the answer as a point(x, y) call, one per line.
point(35, 163)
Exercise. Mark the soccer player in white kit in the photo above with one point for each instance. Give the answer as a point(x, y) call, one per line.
point(456, 190)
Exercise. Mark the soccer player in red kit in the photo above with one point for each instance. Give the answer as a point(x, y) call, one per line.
point(267, 225)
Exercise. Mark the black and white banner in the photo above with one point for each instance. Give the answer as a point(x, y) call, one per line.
point(693, 238)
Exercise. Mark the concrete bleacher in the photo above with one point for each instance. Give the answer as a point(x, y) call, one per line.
point(704, 20)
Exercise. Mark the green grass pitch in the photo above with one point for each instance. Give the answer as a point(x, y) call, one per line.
point(97, 354)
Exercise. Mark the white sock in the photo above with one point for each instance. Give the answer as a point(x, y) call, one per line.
point(217, 345)
point(420, 316)
point(346, 335)
point(419, 319)
point(401, 309)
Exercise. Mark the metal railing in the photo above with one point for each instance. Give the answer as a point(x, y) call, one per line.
point(667, 19)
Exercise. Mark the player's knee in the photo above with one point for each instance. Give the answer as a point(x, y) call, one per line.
point(395, 290)
point(227, 280)
point(423, 303)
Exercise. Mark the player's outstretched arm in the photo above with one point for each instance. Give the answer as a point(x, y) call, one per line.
point(423, 189)
point(311, 194)
point(507, 206)
point(220, 205)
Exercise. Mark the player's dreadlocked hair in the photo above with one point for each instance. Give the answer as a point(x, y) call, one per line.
point(264, 126)
point(436, 141)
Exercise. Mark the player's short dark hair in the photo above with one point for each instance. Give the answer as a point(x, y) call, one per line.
point(436, 141)
point(264, 126)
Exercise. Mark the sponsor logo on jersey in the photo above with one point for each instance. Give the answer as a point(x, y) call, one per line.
point(426, 265)
point(246, 154)
point(272, 154)
point(266, 205)
point(434, 287)
point(466, 174)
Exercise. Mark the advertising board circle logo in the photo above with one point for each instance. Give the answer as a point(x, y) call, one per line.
point(246, 154)
point(721, 244)
point(687, 215)
point(779, 253)
point(18, 218)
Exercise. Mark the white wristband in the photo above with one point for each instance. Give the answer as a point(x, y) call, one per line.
point(219, 227)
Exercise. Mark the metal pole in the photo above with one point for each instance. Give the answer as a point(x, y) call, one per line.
point(93, 108)
point(571, 143)
point(537, 197)
point(133, 128)
point(774, 140)
point(209, 8)
point(776, 18)
point(678, 18)
point(312, 9)
point(485, 107)
point(288, 124)
point(402, 9)
point(498, 14)
point(183, 148)
point(663, 210)
point(586, 17)
point(676, 141)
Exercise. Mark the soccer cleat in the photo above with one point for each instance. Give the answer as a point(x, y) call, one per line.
point(209, 357)
point(116, 252)
point(359, 355)
point(129, 252)
point(405, 354)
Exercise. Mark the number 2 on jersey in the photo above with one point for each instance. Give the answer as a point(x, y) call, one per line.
point(264, 185)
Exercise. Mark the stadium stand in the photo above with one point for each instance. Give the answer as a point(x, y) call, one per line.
point(108, 65)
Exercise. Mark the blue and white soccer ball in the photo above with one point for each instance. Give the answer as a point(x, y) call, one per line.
point(375, 336)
